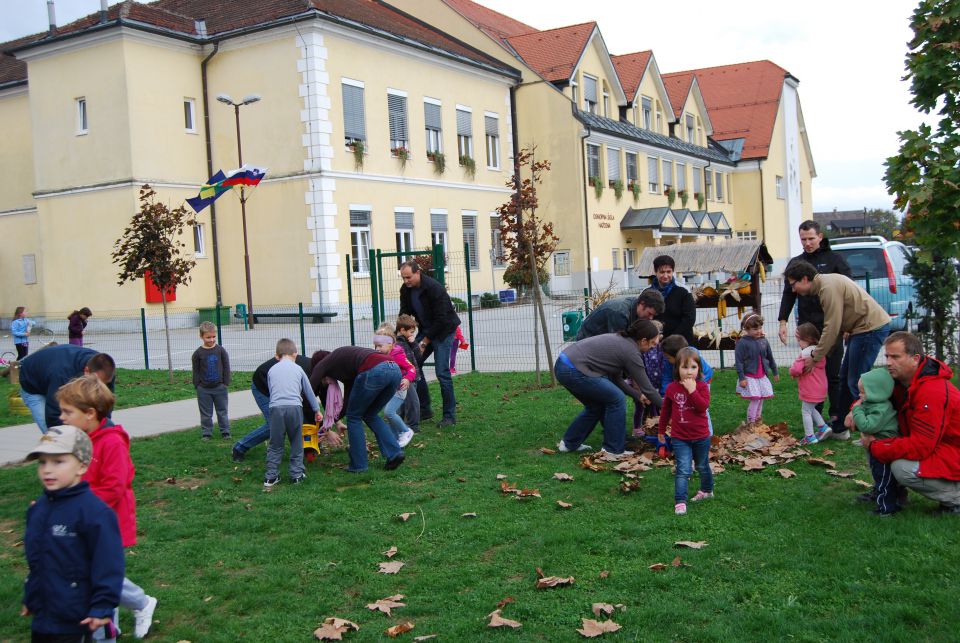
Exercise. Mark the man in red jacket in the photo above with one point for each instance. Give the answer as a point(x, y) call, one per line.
point(926, 455)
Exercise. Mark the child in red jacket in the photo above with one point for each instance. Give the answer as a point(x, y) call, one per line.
point(684, 408)
point(85, 403)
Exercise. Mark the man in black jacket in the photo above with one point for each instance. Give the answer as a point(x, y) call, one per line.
point(423, 297)
point(817, 252)
point(680, 311)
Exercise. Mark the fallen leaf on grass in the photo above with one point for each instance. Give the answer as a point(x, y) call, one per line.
point(862, 483)
point(823, 463)
point(626, 486)
point(554, 581)
point(171, 480)
point(587, 462)
point(604, 574)
point(498, 621)
point(840, 474)
point(469, 515)
point(333, 629)
point(786, 473)
point(546, 451)
point(501, 476)
point(716, 468)
point(678, 562)
point(753, 464)
point(390, 553)
point(397, 630)
point(827, 452)
point(528, 493)
point(405, 517)
point(606, 608)
point(657, 567)
point(505, 601)
point(386, 604)
point(208, 599)
point(692, 544)
point(461, 479)
point(392, 567)
point(562, 476)
point(508, 487)
point(563, 505)
point(425, 638)
point(593, 628)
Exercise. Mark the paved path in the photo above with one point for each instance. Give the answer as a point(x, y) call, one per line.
point(17, 441)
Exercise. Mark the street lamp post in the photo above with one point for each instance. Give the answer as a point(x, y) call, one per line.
point(252, 98)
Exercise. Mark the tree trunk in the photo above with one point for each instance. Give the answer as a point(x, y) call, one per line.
point(166, 332)
point(538, 302)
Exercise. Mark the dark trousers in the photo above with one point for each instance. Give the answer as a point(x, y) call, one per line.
point(411, 406)
point(22, 350)
point(888, 489)
point(37, 637)
point(834, 359)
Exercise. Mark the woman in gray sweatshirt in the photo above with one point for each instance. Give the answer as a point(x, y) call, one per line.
point(593, 371)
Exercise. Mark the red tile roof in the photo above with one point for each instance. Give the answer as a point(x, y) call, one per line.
point(678, 88)
point(742, 100)
point(630, 68)
point(223, 16)
point(11, 69)
point(496, 25)
point(554, 53)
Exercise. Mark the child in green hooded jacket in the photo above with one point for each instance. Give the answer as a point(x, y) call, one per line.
point(874, 414)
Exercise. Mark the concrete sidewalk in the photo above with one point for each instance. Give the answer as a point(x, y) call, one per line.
point(17, 441)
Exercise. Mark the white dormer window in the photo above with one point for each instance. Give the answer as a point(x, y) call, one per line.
point(690, 128)
point(647, 111)
point(589, 94)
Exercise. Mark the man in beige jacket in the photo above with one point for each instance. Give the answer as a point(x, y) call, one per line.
point(847, 310)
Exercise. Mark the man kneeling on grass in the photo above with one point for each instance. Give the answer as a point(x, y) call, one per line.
point(926, 456)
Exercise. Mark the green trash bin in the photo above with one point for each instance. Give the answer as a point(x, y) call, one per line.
point(210, 315)
point(571, 324)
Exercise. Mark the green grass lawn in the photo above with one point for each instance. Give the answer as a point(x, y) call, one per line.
point(787, 558)
point(133, 388)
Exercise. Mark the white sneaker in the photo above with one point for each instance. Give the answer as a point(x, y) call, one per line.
point(842, 435)
point(562, 447)
point(404, 438)
point(143, 619)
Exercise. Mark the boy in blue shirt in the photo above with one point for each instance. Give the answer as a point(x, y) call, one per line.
point(72, 544)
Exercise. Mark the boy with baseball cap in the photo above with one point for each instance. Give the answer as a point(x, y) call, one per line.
point(72, 544)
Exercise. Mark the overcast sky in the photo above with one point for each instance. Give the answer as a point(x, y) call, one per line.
point(847, 54)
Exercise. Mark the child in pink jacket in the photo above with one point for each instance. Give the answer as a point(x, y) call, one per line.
point(385, 341)
point(813, 385)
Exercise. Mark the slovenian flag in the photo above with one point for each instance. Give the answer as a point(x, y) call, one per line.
point(248, 176)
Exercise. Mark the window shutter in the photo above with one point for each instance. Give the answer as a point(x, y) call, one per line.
point(652, 169)
point(353, 120)
point(359, 218)
point(593, 160)
point(613, 164)
point(470, 237)
point(590, 89)
point(491, 125)
point(431, 116)
point(397, 112)
point(403, 220)
point(438, 222)
point(464, 125)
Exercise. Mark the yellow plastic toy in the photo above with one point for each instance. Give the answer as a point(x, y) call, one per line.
point(311, 442)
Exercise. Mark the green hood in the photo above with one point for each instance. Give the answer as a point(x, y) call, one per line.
point(877, 384)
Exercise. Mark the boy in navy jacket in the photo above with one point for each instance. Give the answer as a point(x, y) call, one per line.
point(72, 544)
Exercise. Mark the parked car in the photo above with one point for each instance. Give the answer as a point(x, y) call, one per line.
point(879, 266)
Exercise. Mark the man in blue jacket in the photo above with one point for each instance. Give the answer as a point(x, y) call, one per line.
point(423, 297)
point(44, 372)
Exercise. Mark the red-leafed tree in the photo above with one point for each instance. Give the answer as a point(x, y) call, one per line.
point(527, 240)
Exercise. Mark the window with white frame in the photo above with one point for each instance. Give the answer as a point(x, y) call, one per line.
point(632, 171)
point(82, 116)
point(613, 165)
point(397, 120)
point(354, 120)
point(615, 257)
point(496, 241)
point(438, 229)
point(667, 174)
point(433, 124)
point(629, 258)
point(690, 128)
point(464, 133)
point(606, 103)
point(593, 162)
point(653, 174)
point(718, 181)
point(647, 111)
point(697, 182)
point(747, 235)
point(29, 269)
point(491, 126)
point(360, 241)
point(707, 184)
point(659, 119)
point(468, 219)
point(190, 115)
point(561, 263)
point(589, 94)
point(199, 243)
point(780, 192)
point(403, 225)
point(681, 176)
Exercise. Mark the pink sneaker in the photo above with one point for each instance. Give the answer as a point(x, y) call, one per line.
point(702, 495)
point(680, 508)
point(453, 371)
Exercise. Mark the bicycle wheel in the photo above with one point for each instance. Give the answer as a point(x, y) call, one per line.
point(6, 357)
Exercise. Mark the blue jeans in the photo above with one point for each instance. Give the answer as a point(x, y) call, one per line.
point(440, 347)
point(370, 392)
point(861, 353)
point(262, 432)
point(886, 485)
point(37, 403)
point(392, 417)
point(685, 454)
point(603, 402)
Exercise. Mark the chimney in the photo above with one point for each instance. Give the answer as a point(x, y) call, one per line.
point(103, 11)
point(51, 17)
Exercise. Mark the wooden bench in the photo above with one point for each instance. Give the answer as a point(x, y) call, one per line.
point(312, 318)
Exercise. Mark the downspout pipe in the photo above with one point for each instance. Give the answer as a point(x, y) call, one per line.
point(213, 206)
point(586, 208)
